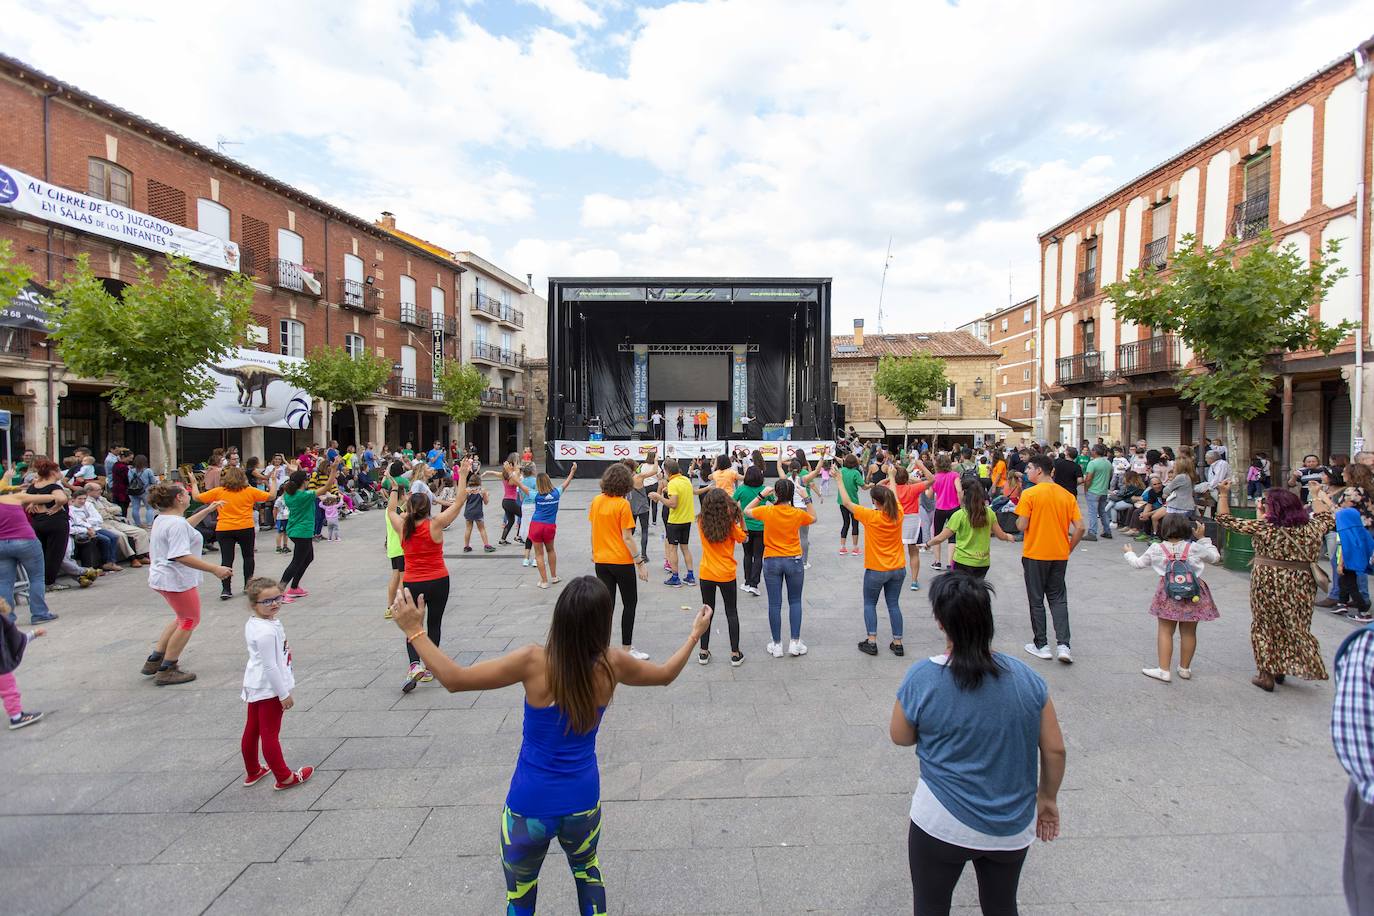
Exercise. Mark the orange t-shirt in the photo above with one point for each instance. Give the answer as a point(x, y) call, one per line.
point(883, 550)
point(1051, 509)
point(610, 515)
point(237, 511)
point(718, 557)
point(909, 496)
point(781, 525)
point(703, 418)
point(726, 480)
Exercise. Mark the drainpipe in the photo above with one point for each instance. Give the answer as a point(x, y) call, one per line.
point(1363, 69)
point(47, 254)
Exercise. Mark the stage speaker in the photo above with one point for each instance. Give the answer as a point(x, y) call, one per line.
point(575, 432)
point(839, 415)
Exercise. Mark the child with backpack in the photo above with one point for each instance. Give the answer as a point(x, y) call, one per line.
point(1182, 598)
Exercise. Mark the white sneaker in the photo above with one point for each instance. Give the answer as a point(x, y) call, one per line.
point(1185, 673)
point(806, 566)
point(796, 647)
point(635, 653)
point(1158, 674)
point(525, 562)
point(1041, 652)
point(1064, 655)
point(775, 649)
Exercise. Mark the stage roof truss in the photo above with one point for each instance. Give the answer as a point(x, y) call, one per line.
point(688, 348)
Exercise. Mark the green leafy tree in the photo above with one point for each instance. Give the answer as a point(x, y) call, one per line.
point(910, 383)
point(461, 386)
point(332, 375)
point(1235, 312)
point(13, 275)
point(155, 340)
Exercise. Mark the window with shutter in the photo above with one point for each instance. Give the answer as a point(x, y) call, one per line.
point(166, 202)
point(257, 245)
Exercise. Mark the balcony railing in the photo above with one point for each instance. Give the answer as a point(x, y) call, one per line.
point(361, 297)
point(1087, 283)
point(1153, 354)
point(1079, 368)
point(400, 386)
point(292, 276)
point(443, 323)
point(512, 316)
point(409, 314)
point(16, 341)
point(1157, 252)
point(1252, 216)
point(499, 397)
point(483, 350)
point(484, 303)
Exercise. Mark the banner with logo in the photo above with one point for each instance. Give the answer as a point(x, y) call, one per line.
point(638, 449)
point(251, 392)
point(28, 308)
point(640, 388)
point(739, 387)
point(54, 204)
point(812, 449)
point(606, 450)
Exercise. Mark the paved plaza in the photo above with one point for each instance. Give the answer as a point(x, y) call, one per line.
point(770, 788)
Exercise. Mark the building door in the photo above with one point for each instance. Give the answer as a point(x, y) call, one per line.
point(1163, 426)
point(408, 370)
point(1338, 441)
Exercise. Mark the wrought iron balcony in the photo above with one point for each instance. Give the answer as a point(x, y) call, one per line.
point(1157, 253)
point(485, 351)
point(1087, 283)
point(292, 276)
point(361, 297)
point(400, 386)
point(1251, 216)
point(439, 322)
point(512, 358)
point(1079, 368)
point(512, 316)
point(409, 314)
point(501, 398)
point(16, 341)
point(1153, 354)
point(481, 302)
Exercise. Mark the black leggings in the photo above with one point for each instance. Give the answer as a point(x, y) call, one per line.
point(512, 509)
point(753, 559)
point(622, 575)
point(728, 595)
point(301, 558)
point(435, 593)
point(53, 536)
point(936, 867)
point(846, 519)
point(653, 503)
point(642, 523)
point(244, 538)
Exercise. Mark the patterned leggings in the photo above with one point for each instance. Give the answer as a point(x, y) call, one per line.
point(525, 841)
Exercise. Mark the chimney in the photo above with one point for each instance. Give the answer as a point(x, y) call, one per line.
point(859, 332)
point(529, 281)
point(388, 220)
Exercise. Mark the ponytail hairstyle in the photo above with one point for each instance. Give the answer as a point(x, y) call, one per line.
point(295, 482)
point(575, 650)
point(722, 462)
point(719, 515)
point(885, 501)
point(900, 475)
point(417, 508)
point(963, 607)
point(783, 491)
point(975, 504)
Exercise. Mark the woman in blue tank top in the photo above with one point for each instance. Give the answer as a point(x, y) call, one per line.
point(556, 788)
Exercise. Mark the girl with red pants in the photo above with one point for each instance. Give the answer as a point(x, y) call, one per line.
point(267, 683)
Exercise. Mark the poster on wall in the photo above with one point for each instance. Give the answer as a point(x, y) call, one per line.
point(250, 391)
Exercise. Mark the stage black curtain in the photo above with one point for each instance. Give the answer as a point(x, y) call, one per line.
point(609, 371)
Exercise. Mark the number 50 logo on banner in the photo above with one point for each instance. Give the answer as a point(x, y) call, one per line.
point(572, 450)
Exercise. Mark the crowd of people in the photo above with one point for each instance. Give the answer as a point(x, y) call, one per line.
point(968, 707)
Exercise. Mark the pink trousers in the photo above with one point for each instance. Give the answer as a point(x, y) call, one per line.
point(9, 692)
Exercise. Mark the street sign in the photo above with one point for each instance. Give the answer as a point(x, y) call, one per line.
point(4, 419)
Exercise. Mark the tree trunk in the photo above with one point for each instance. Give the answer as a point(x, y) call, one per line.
point(357, 429)
point(168, 459)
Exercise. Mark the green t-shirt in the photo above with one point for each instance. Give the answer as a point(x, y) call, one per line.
point(393, 541)
point(971, 545)
point(1082, 460)
point(1101, 469)
point(851, 479)
point(744, 496)
point(301, 505)
point(408, 454)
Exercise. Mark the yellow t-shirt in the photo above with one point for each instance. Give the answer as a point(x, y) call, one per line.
point(686, 508)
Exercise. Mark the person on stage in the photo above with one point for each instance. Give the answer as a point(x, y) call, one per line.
point(656, 425)
point(681, 420)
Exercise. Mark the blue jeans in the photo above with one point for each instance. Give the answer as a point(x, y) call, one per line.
point(776, 571)
point(109, 545)
point(889, 584)
point(137, 506)
point(1362, 579)
point(28, 553)
point(1099, 509)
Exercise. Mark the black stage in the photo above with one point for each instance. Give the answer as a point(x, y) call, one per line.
point(620, 347)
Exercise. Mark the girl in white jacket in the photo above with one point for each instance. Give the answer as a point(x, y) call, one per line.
point(267, 684)
point(1181, 541)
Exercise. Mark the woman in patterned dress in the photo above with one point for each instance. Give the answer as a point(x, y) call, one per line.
point(1287, 542)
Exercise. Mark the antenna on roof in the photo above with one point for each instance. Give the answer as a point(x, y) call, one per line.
point(1009, 297)
point(222, 141)
point(883, 285)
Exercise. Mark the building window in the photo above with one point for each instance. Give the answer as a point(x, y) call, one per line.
point(506, 343)
point(1004, 324)
point(1089, 332)
point(835, 392)
point(950, 399)
point(436, 300)
point(407, 290)
point(290, 247)
point(1004, 407)
point(292, 338)
point(1157, 249)
point(212, 219)
point(109, 182)
point(1025, 375)
point(1025, 403)
point(1030, 344)
point(1252, 213)
point(479, 333)
point(353, 343)
point(1026, 316)
point(1004, 378)
point(507, 297)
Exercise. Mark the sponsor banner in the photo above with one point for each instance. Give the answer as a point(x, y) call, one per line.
point(638, 449)
point(251, 392)
point(640, 388)
point(739, 387)
point(689, 448)
point(55, 204)
point(689, 293)
point(603, 294)
point(775, 294)
point(28, 309)
point(813, 449)
point(605, 450)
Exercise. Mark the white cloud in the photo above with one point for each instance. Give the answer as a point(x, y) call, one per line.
point(768, 136)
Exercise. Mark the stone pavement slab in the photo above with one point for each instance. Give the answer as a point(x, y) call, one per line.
point(769, 788)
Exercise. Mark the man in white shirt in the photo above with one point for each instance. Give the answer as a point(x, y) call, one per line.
point(84, 523)
point(1217, 470)
point(656, 424)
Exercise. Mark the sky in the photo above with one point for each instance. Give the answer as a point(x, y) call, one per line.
point(706, 138)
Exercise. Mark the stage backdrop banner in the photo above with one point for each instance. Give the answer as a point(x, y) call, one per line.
point(251, 392)
point(689, 448)
point(813, 449)
point(739, 388)
point(606, 450)
point(640, 389)
point(55, 204)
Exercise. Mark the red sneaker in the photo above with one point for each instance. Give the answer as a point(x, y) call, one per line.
point(256, 777)
point(298, 777)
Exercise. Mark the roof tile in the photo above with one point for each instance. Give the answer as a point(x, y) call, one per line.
point(935, 343)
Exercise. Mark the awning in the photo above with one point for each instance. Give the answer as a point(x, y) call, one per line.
point(936, 427)
point(867, 429)
point(1017, 425)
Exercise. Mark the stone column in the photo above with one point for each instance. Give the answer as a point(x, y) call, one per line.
point(1127, 421)
point(254, 443)
point(319, 423)
point(1050, 413)
point(40, 432)
point(1285, 462)
point(493, 439)
point(374, 423)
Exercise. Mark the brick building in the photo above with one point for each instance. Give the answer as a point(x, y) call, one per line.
point(965, 413)
point(1295, 166)
point(322, 277)
point(1013, 332)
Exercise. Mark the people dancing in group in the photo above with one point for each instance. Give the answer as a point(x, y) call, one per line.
point(722, 528)
point(884, 563)
point(783, 566)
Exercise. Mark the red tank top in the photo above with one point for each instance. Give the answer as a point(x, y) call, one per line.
point(424, 556)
